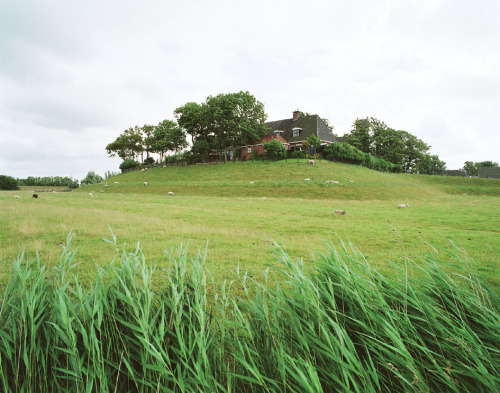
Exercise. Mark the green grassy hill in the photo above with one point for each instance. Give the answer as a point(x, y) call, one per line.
point(286, 180)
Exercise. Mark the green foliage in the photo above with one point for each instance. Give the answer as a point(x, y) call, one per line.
point(91, 178)
point(128, 164)
point(168, 136)
point(128, 145)
point(372, 136)
point(8, 183)
point(431, 165)
point(298, 154)
point(344, 152)
point(54, 181)
point(472, 168)
point(340, 326)
point(149, 161)
point(232, 119)
point(314, 140)
point(275, 150)
point(109, 174)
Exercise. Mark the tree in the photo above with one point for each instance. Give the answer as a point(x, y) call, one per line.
point(237, 119)
point(360, 136)
point(147, 138)
point(91, 178)
point(8, 183)
point(472, 168)
point(388, 144)
point(222, 121)
point(275, 150)
point(314, 141)
point(431, 165)
point(168, 136)
point(128, 145)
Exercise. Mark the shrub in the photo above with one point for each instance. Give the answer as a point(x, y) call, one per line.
point(128, 164)
point(298, 154)
point(92, 178)
point(344, 152)
point(149, 161)
point(8, 183)
point(275, 150)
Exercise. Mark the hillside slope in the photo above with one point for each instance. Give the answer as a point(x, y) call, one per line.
point(287, 180)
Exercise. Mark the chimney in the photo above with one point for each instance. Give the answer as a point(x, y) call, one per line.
point(296, 115)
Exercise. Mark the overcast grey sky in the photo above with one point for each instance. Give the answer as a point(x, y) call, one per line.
point(75, 74)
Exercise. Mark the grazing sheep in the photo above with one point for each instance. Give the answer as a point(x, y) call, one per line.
point(171, 193)
point(251, 182)
point(17, 197)
point(101, 190)
point(332, 181)
point(90, 194)
point(263, 198)
point(35, 196)
point(164, 166)
point(142, 170)
point(311, 162)
point(403, 205)
point(351, 181)
point(307, 179)
point(117, 182)
point(341, 212)
point(106, 186)
point(145, 183)
point(54, 191)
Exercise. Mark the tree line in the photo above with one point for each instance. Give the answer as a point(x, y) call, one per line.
point(374, 137)
point(237, 119)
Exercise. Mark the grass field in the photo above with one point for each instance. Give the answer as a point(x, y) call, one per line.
point(217, 207)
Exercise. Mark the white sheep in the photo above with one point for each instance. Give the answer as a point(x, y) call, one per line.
point(106, 186)
point(307, 179)
point(351, 181)
point(403, 205)
point(171, 193)
point(251, 182)
point(333, 181)
point(17, 197)
point(145, 183)
point(142, 170)
point(311, 162)
point(101, 190)
point(90, 194)
point(117, 182)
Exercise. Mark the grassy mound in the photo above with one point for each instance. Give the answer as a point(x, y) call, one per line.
point(338, 326)
point(286, 180)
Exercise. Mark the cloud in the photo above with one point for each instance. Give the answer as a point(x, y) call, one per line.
point(78, 73)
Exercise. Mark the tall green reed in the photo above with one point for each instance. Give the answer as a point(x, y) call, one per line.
point(334, 324)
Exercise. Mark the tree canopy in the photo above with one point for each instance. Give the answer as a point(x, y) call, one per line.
point(222, 121)
point(373, 136)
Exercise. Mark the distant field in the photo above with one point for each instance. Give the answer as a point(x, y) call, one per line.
point(218, 208)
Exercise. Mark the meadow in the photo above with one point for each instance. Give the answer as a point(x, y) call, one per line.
point(216, 207)
point(247, 281)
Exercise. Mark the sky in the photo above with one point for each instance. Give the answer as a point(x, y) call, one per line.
point(75, 74)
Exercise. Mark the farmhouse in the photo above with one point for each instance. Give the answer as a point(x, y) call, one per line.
point(293, 133)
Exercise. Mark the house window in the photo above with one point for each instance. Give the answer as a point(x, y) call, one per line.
point(249, 150)
point(296, 132)
point(278, 132)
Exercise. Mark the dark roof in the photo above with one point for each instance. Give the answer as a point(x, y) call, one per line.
point(492, 172)
point(310, 125)
point(454, 172)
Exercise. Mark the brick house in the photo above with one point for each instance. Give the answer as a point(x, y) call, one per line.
point(293, 133)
